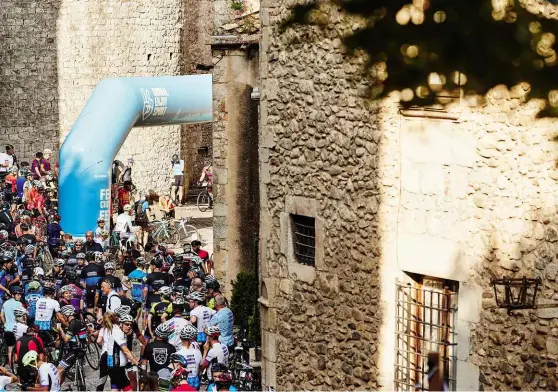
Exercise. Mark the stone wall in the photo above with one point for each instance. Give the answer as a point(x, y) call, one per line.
point(98, 40)
point(235, 157)
point(464, 200)
point(29, 103)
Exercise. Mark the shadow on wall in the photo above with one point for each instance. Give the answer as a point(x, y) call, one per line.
point(29, 112)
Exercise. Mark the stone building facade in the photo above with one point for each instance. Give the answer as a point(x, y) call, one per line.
point(413, 213)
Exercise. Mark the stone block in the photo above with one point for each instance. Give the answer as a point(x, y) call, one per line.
point(433, 256)
point(222, 175)
point(268, 346)
point(220, 210)
point(302, 272)
point(467, 376)
point(470, 298)
point(433, 180)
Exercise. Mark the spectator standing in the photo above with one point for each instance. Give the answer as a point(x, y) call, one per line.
point(36, 167)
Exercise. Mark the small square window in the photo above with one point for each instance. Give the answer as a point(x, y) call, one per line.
point(304, 239)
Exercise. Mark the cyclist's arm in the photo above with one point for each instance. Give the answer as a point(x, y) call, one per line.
point(60, 318)
point(63, 336)
point(141, 338)
point(3, 317)
point(149, 324)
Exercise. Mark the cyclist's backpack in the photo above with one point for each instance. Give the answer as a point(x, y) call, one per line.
point(141, 217)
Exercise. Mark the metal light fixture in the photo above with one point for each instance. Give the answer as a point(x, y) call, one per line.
point(516, 293)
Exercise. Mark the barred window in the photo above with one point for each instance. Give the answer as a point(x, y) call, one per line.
point(304, 239)
point(426, 315)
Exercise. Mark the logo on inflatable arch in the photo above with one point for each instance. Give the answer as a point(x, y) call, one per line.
point(154, 102)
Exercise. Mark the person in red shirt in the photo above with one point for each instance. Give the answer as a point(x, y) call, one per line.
point(40, 199)
point(11, 178)
point(124, 196)
point(196, 245)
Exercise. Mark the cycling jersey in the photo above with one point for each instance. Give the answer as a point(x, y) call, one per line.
point(77, 331)
point(213, 388)
point(176, 324)
point(60, 280)
point(159, 279)
point(77, 295)
point(158, 310)
point(19, 330)
point(193, 360)
point(91, 275)
point(136, 281)
point(46, 308)
point(219, 353)
point(128, 266)
point(31, 300)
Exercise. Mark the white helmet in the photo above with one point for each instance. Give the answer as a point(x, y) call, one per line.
point(163, 331)
point(68, 310)
point(165, 290)
point(29, 249)
point(109, 266)
point(213, 330)
point(122, 310)
point(99, 256)
point(20, 312)
point(126, 318)
point(189, 332)
point(38, 271)
point(127, 207)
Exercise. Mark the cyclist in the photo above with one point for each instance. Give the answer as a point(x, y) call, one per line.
point(158, 352)
point(5, 274)
point(222, 381)
point(20, 328)
point(159, 311)
point(73, 338)
point(179, 380)
point(213, 350)
point(33, 295)
point(115, 355)
point(6, 378)
point(114, 281)
point(113, 300)
point(47, 308)
point(59, 274)
point(224, 319)
point(199, 314)
point(177, 323)
point(134, 280)
point(8, 317)
point(91, 275)
point(76, 291)
point(80, 258)
point(28, 342)
point(65, 296)
point(48, 375)
point(191, 353)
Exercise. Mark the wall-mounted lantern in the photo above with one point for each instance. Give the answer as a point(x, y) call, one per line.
point(516, 293)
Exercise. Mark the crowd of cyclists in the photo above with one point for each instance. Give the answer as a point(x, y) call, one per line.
point(156, 318)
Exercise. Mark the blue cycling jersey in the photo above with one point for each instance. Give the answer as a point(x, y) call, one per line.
point(136, 278)
point(91, 275)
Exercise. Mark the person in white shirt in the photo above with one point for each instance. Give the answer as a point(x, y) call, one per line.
point(46, 308)
point(20, 328)
point(177, 323)
point(114, 357)
point(191, 352)
point(6, 378)
point(124, 222)
point(200, 314)
point(6, 161)
point(213, 349)
point(113, 299)
point(48, 375)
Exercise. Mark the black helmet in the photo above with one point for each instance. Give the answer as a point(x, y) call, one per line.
point(90, 256)
point(178, 271)
point(219, 367)
point(16, 290)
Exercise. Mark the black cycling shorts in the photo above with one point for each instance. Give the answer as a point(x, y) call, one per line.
point(68, 360)
point(90, 298)
point(10, 338)
point(178, 180)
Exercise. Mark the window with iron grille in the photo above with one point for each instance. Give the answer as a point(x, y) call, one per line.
point(426, 316)
point(304, 239)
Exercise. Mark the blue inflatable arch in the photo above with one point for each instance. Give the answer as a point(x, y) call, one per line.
point(115, 106)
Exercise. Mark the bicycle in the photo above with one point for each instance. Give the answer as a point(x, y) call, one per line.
point(186, 231)
point(205, 200)
point(93, 356)
point(162, 231)
point(78, 374)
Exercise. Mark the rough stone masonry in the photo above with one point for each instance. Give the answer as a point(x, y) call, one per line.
point(393, 197)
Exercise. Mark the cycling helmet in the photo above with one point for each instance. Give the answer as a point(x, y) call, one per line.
point(98, 256)
point(141, 261)
point(163, 331)
point(66, 288)
point(30, 359)
point(37, 183)
point(210, 279)
point(80, 256)
point(12, 169)
point(90, 256)
point(177, 358)
point(59, 262)
point(123, 310)
point(78, 241)
point(179, 259)
point(34, 286)
point(38, 271)
point(219, 367)
point(68, 310)
point(174, 158)
point(213, 330)
point(179, 290)
point(213, 285)
point(223, 378)
point(110, 266)
point(196, 296)
point(20, 312)
point(127, 207)
point(7, 256)
point(189, 332)
point(29, 249)
point(16, 290)
point(178, 375)
point(101, 220)
point(178, 271)
point(165, 290)
point(126, 318)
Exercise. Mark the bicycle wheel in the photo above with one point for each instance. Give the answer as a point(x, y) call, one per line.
point(203, 201)
point(3, 352)
point(92, 356)
point(188, 233)
point(170, 236)
point(80, 376)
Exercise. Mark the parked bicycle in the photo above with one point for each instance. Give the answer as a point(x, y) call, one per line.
point(205, 199)
point(185, 231)
point(162, 231)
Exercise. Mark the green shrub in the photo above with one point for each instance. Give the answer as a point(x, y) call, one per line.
point(244, 305)
point(237, 5)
